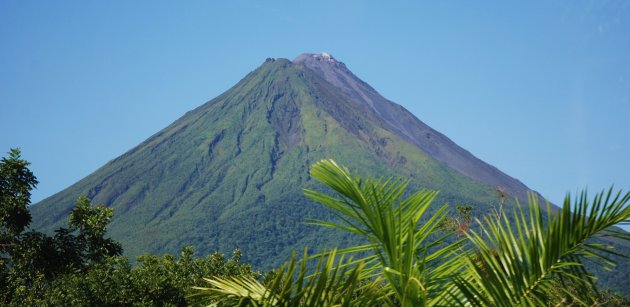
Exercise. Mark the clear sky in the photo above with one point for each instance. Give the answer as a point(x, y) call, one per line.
point(539, 89)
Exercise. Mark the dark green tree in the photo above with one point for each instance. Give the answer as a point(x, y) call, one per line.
point(16, 183)
point(155, 281)
point(27, 257)
point(91, 223)
point(79, 265)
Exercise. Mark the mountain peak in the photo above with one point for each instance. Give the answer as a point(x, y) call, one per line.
point(243, 159)
point(322, 57)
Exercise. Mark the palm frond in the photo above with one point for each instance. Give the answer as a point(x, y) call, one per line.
point(417, 269)
point(519, 263)
point(333, 281)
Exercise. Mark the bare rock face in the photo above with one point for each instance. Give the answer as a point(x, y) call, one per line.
point(400, 121)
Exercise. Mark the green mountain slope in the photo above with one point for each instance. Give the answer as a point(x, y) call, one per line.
point(242, 159)
point(230, 173)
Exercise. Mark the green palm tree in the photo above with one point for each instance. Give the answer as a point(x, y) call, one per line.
point(408, 262)
point(521, 263)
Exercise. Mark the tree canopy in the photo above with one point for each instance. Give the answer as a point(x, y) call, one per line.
point(79, 265)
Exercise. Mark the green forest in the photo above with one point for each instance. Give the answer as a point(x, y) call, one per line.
point(529, 255)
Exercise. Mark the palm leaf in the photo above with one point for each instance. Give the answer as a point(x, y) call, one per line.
point(334, 282)
point(418, 270)
point(520, 263)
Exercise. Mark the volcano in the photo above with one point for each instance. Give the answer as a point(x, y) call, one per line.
point(230, 173)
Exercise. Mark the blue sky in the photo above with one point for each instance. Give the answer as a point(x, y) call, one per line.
point(540, 89)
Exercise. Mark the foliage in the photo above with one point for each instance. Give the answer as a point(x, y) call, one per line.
point(335, 282)
point(34, 256)
point(16, 182)
point(91, 223)
point(79, 266)
point(460, 222)
point(414, 268)
point(558, 297)
point(154, 281)
point(520, 263)
point(406, 255)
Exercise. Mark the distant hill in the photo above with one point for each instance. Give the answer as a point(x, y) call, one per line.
point(231, 172)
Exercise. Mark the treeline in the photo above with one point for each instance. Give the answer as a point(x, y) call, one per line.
point(79, 265)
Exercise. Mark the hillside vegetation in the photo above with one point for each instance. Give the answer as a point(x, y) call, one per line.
point(230, 173)
point(407, 258)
